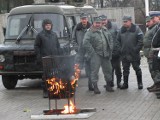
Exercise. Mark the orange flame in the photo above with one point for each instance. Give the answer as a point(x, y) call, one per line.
point(57, 85)
point(69, 109)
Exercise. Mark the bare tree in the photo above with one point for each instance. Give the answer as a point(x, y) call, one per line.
point(155, 5)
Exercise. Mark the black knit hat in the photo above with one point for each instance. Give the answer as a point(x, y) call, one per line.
point(46, 21)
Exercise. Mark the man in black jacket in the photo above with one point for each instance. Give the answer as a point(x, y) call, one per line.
point(77, 39)
point(130, 38)
point(46, 44)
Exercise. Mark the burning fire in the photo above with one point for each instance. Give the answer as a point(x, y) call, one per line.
point(58, 86)
point(69, 109)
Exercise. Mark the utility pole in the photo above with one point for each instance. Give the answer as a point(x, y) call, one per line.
point(8, 6)
point(101, 2)
point(147, 7)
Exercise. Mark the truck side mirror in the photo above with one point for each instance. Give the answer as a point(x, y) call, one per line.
point(65, 32)
point(4, 31)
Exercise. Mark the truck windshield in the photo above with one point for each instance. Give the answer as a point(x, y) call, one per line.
point(17, 23)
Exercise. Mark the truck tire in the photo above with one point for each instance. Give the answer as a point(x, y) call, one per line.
point(9, 82)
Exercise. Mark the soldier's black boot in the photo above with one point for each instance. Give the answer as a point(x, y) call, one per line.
point(90, 85)
point(156, 88)
point(148, 88)
point(96, 90)
point(112, 84)
point(118, 82)
point(125, 84)
point(109, 87)
point(139, 81)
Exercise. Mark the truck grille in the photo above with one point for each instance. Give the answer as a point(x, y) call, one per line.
point(24, 59)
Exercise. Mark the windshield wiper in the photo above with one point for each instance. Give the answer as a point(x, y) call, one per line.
point(25, 29)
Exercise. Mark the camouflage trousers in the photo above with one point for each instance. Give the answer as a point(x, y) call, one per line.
point(98, 61)
point(150, 66)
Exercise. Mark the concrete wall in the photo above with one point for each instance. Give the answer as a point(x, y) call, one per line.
point(3, 20)
point(116, 14)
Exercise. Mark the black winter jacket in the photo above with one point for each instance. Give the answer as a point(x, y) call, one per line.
point(46, 44)
point(113, 29)
point(131, 42)
point(156, 39)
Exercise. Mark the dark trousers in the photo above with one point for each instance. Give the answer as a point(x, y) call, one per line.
point(116, 67)
point(88, 69)
point(126, 67)
point(156, 67)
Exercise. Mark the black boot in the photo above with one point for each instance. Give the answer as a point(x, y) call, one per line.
point(148, 88)
point(112, 84)
point(158, 95)
point(109, 87)
point(118, 82)
point(90, 85)
point(96, 90)
point(125, 84)
point(156, 88)
point(139, 81)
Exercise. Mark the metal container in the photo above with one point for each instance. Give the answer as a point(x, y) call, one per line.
point(59, 76)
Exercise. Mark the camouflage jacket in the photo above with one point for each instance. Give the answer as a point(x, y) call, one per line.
point(98, 42)
point(148, 40)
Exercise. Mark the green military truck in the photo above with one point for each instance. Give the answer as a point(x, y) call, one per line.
point(17, 55)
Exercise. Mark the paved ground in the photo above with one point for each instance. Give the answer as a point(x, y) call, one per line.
point(131, 104)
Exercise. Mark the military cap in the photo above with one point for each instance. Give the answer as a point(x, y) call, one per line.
point(148, 18)
point(97, 19)
point(103, 17)
point(154, 13)
point(126, 18)
point(84, 15)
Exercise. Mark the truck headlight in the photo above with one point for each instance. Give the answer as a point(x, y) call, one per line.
point(2, 58)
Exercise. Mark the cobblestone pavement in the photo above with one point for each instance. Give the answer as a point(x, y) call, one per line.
point(130, 104)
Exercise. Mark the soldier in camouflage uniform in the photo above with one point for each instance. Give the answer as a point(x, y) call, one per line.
point(116, 62)
point(130, 38)
point(156, 48)
point(147, 46)
point(98, 44)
